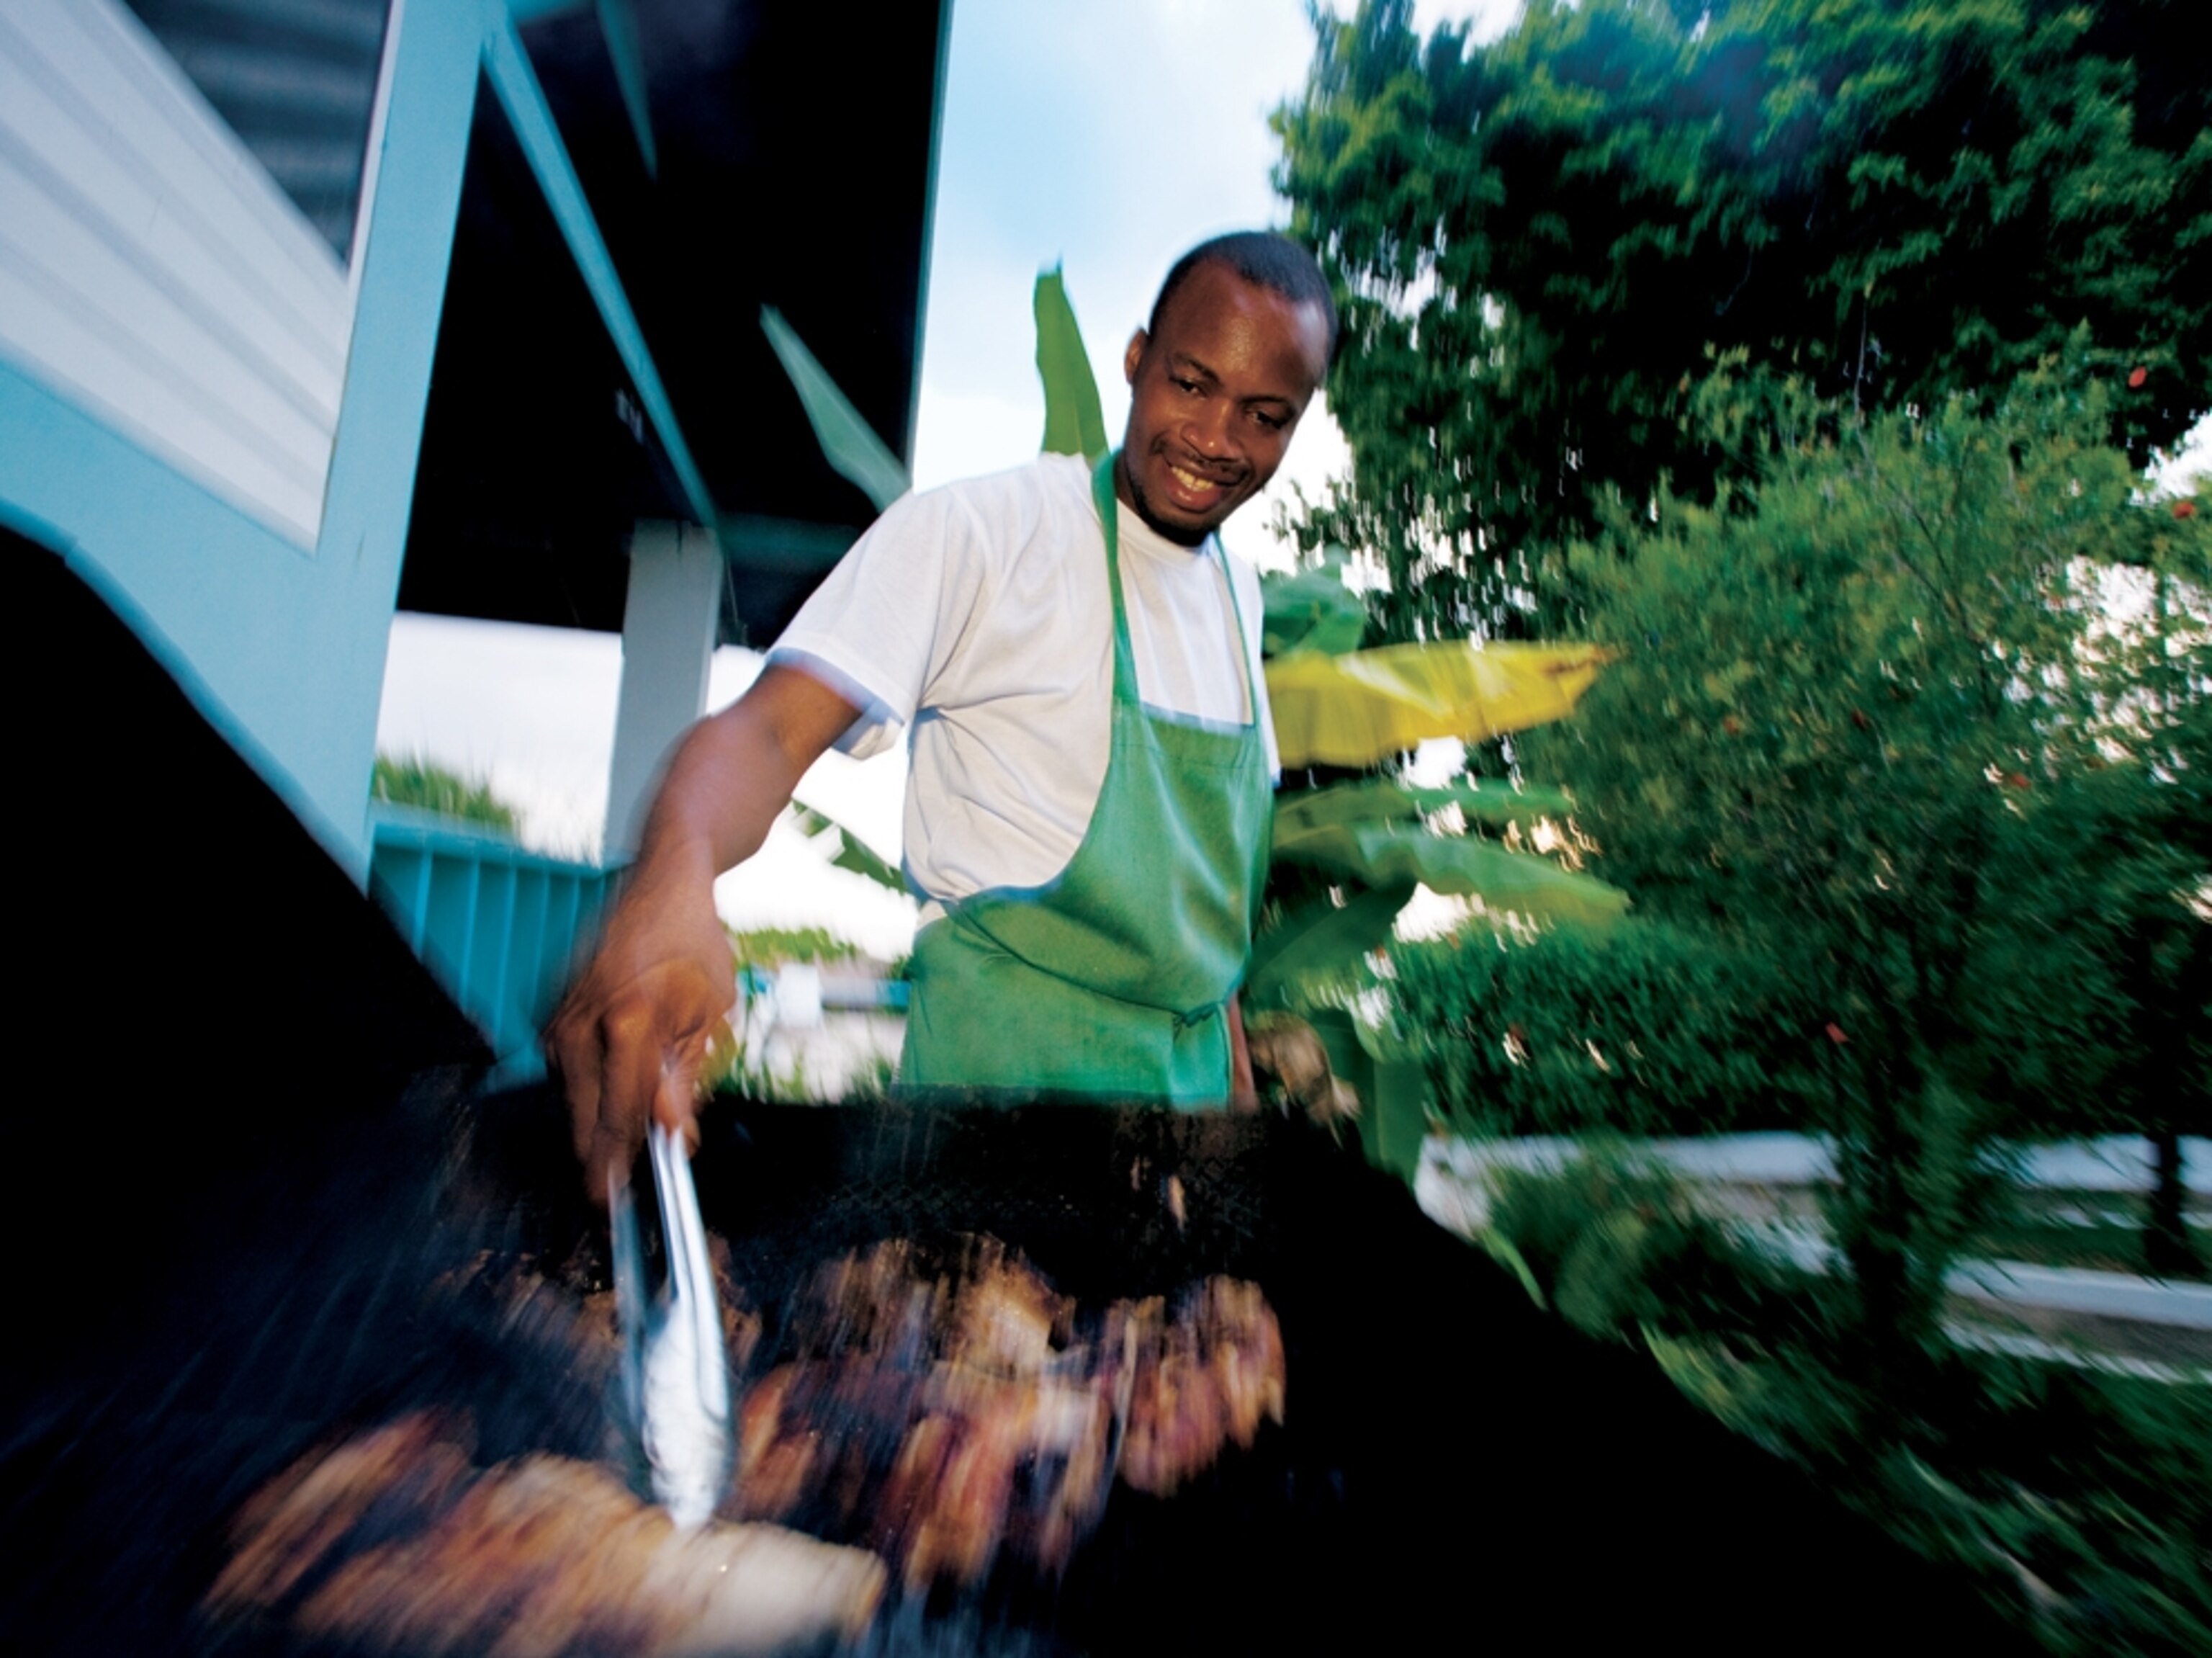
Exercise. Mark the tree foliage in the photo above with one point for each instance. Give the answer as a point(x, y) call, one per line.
point(1540, 244)
point(1651, 1029)
point(1865, 726)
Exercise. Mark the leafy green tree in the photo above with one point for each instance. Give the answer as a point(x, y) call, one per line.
point(1539, 242)
point(2096, 1004)
point(1850, 688)
point(1649, 1028)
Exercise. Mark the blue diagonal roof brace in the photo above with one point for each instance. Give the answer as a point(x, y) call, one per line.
point(619, 28)
point(515, 84)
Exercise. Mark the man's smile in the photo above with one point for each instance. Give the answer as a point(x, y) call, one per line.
point(1195, 483)
point(1213, 396)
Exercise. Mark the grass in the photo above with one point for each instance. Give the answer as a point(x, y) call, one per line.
point(411, 780)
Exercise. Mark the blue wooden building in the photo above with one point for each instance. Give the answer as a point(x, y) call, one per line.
point(312, 310)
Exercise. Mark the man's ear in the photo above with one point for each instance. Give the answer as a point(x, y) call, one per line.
point(1134, 354)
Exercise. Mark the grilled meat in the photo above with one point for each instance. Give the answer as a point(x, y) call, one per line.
point(944, 1409)
point(393, 1542)
point(1198, 1381)
point(949, 1411)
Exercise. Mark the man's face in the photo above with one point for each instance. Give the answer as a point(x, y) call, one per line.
point(1213, 398)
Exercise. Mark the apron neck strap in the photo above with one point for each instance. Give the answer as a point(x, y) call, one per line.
point(1125, 663)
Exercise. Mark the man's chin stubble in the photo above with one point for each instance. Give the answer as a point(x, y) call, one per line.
point(1175, 532)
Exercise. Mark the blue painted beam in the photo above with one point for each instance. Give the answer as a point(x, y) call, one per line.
point(529, 11)
point(515, 84)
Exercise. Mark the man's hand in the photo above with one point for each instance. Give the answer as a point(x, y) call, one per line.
point(630, 1037)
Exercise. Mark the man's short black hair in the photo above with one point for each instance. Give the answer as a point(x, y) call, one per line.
point(1266, 258)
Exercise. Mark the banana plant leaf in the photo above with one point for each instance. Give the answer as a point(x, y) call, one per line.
point(852, 853)
point(1312, 610)
point(1379, 801)
point(1073, 424)
point(1361, 708)
point(1382, 801)
point(848, 443)
point(1394, 1092)
point(1323, 939)
point(1494, 803)
point(1400, 854)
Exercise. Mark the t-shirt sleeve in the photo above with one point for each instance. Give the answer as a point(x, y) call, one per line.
point(879, 628)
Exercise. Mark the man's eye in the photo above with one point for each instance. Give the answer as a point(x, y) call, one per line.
point(1272, 422)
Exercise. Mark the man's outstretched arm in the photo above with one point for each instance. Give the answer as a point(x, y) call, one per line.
point(630, 1036)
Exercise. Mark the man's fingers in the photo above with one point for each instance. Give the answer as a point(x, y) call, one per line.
point(676, 1105)
point(632, 1053)
point(630, 1076)
point(575, 1061)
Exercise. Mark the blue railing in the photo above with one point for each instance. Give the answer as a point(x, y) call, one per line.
point(499, 925)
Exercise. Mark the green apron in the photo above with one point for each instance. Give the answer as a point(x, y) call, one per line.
point(1111, 983)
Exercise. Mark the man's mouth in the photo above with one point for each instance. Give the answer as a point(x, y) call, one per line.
point(1197, 483)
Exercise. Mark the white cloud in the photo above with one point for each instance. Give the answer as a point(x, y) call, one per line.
point(966, 435)
point(1490, 18)
point(533, 710)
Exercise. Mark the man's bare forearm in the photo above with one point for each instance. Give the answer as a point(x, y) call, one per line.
point(631, 1035)
point(734, 774)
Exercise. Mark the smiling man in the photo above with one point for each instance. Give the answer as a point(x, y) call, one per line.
point(1074, 662)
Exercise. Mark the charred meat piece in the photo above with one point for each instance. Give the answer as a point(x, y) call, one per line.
point(406, 1471)
point(394, 1543)
point(1199, 1380)
point(948, 1409)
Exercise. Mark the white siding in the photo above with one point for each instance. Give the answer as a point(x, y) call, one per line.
point(150, 272)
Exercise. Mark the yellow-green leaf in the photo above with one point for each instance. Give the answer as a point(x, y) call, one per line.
point(1402, 854)
point(852, 853)
point(1073, 424)
point(1324, 940)
point(1377, 801)
point(848, 443)
point(1495, 803)
point(1382, 801)
point(1361, 708)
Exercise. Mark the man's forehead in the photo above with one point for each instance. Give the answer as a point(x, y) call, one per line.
point(1217, 283)
point(1216, 292)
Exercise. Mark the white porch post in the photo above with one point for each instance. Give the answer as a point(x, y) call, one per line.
point(668, 637)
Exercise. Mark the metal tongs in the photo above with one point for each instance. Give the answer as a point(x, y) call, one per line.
point(674, 1376)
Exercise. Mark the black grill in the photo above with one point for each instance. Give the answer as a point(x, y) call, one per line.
point(1456, 1470)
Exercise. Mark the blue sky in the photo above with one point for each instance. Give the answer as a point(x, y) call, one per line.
point(1105, 138)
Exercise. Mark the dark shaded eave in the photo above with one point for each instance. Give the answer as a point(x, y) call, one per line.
point(533, 470)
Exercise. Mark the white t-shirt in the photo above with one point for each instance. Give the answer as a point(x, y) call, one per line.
point(976, 616)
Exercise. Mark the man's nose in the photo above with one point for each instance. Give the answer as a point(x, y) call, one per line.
point(1210, 430)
